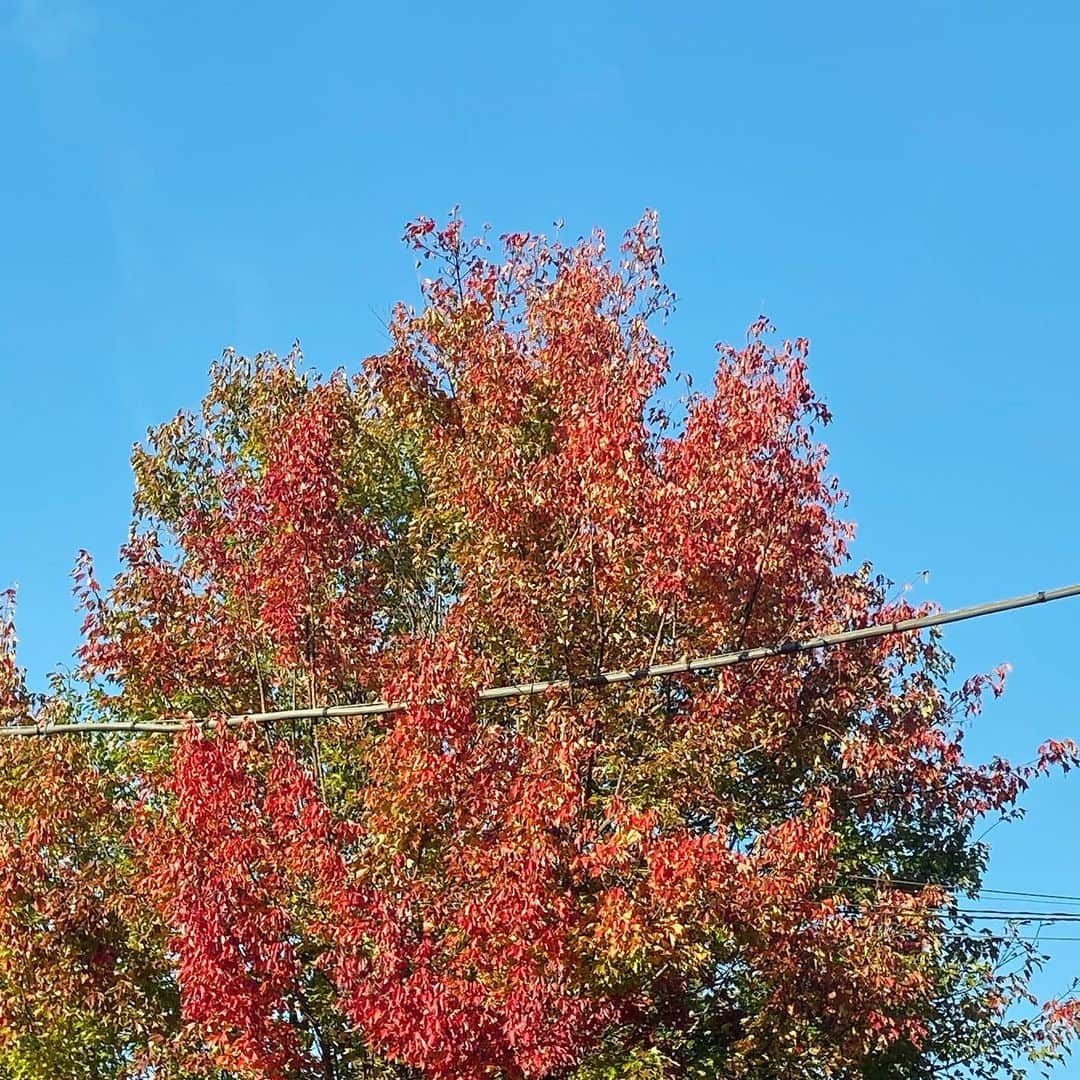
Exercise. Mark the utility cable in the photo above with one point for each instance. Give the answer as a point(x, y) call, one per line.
point(606, 678)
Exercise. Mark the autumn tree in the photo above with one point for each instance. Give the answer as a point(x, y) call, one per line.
point(753, 871)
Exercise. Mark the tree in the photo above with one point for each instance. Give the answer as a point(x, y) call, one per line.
point(751, 872)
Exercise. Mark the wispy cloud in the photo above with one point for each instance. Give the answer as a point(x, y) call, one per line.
point(51, 30)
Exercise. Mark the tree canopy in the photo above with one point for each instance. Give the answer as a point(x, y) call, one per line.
point(750, 872)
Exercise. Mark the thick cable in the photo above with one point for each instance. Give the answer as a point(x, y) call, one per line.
point(532, 689)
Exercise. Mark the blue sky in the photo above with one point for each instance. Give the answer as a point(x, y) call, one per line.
point(896, 182)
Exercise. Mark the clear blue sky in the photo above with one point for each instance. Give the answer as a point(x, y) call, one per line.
point(896, 182)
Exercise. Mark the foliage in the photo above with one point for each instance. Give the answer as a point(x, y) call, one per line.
point(750, 872)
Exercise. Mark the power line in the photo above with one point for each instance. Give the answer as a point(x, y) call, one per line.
point(945, 910)
point(606, 678)
point(1033, 939)
point(991, 915)
point(884, 879)
point(982, 914)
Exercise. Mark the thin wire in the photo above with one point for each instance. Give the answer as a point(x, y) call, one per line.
point(886, 880)
point(1016, 916)
point(606, 678)
point(1034, 939)
point(886, 906)
point(883, 906)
